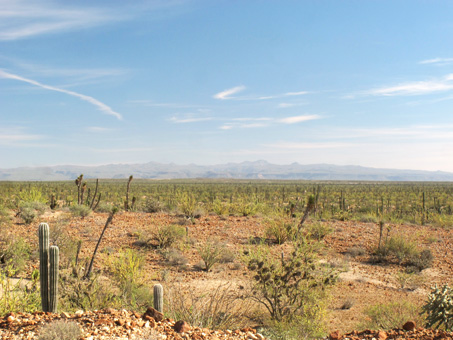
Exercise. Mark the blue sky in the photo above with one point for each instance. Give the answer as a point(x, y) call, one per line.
point(342, 82)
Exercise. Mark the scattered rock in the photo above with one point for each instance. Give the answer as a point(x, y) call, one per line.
point(335, 335)
point(382, 335)
point(409, 326)
point(155, 314)
point(181, 326)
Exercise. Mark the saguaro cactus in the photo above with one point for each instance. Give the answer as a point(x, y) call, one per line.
point(48, 258)
point(43, 232)
point(53, 278)
point(158, 297)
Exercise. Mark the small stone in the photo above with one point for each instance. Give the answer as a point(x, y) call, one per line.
point(65, 315)
point(181, 326)
point(259, 336)
point(335, 335)
point(10, 319)
point(79, 313)
point(251, 336)
point(409, 326)
point(155, 314)
point(382, 335)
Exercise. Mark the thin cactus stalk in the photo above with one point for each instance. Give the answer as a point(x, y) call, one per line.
point(158, 293)
point(43, 232)
point(53, 278)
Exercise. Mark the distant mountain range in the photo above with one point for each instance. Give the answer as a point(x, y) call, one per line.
point(244, 170)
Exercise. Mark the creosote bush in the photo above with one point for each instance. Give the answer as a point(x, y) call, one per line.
point(29, 211)
point(212, 252)
point(280, 230)
point(80, 210)
point(168, 235)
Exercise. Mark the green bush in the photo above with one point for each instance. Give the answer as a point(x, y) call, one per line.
point(154, 206)
point(391, 315)
point(292, 288)
point(280, 230)
point(168, 235)
point(18, 295)
point(29, 211)
point(439, 308)
point(212, 253)
point(61, 330)
point(80, 210)
point(16, 253)
point(318, 230)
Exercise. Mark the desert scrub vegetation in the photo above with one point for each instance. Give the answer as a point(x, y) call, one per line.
point(439, 308)
point(221, 307)
point(419, 203)
point(391, 315)
point(213, 252)
point(292, 289)
point(18, 295)
point(60, 329)
point(167, 235)
point(403, 250)
point(280, 230)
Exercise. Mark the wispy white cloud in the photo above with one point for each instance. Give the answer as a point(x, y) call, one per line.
point(152, 103)
point(97, 129)
point(438, 61)
point(22, 18)
point(245, 119)
point(300, 93)
point(189, 120)
point(413, 88)
point(229, 94)
point(101, 106)
point(15, 135)
point(298, 119)
point(286, 105)
point(261, 122)
point(300, 146)
point(229, 126)
point(226, 94)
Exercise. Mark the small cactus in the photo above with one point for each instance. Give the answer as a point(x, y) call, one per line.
point(53, 278)
point(43, 232)
point(158, 298)
point(48, 278)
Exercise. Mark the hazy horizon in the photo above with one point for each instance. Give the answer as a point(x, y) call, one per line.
point(357, 83)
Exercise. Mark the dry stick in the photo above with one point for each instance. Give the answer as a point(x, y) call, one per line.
point(95, 193)
point(87, 275)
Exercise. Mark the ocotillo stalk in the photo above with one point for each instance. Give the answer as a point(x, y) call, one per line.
point(158, 293)
point(53, 278)
point(43, 232)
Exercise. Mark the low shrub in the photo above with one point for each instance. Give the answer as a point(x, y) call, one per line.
point(212, 253)
point(18, 295)
point(29, 211)
point(153, 206)
point(61, 330)
point(280, 230)
point(175, 257)
point(318, 230)
point(16, 253)
point(217, 308)
point(391, 315)
point(168, 235)
point(80, 210)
